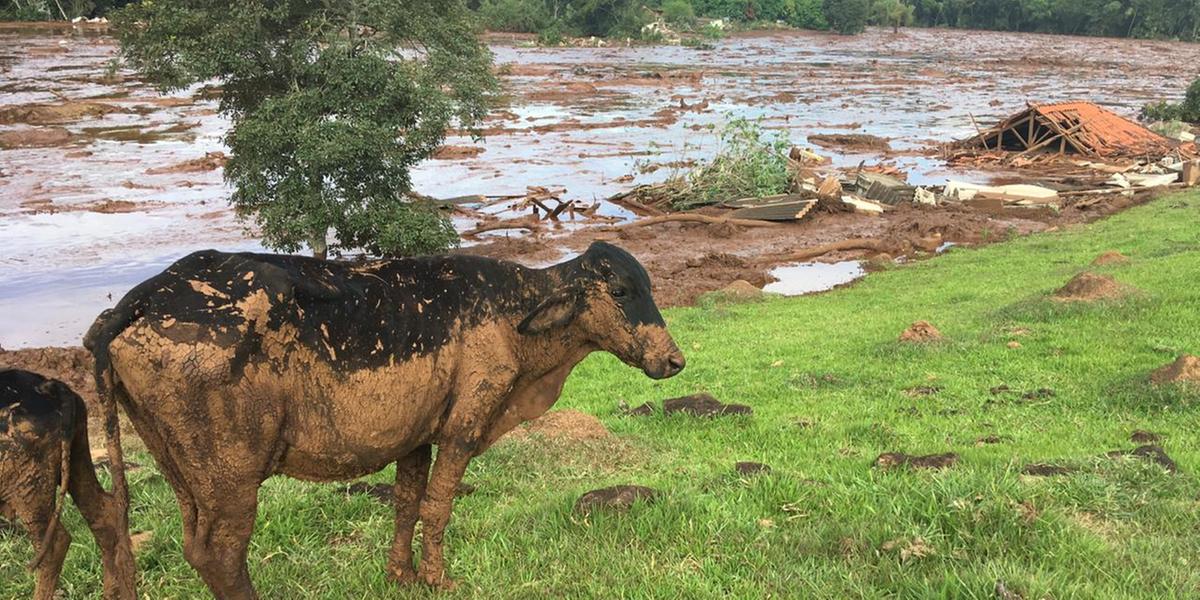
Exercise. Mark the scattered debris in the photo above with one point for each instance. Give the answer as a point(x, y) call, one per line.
point(882, 188)
point(703, 405)
point(1046, 470)
point(1089, 287)
point(1013, 345)
point(989, 440)
point(618, 498)
point(209, 162)
point(33, 137)
point(921, 331)
point(1185, 369)
point(55, 114)
point(457, 152)
point(889, 460)
point(865, 207)
point(746, 468)
point(851, 141)
point(1152, 453)
point(1018, 194)
point(780, 210)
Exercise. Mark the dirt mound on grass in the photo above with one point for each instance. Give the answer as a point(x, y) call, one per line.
point(1185, 369)
point(921, 331)
point(618, 498)
point(737, 292)
point(1090, 287)
point(1111, 257)
point(569, 425)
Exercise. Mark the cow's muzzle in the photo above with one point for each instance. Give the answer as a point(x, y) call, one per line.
point(665, 369)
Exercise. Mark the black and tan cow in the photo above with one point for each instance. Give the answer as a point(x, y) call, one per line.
point(43, 455)
point(236, 367)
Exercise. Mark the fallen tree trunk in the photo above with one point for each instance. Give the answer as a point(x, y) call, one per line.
point(816, 251)
point(694, 218)
point(530, 223)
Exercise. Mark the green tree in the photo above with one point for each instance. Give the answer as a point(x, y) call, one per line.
point(847, 17)
point(331, 103)
point(891, 13)
point(679, 13)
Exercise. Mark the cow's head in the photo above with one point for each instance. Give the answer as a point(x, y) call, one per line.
point(606, 294)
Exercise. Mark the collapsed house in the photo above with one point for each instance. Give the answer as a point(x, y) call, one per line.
point(1072, 128)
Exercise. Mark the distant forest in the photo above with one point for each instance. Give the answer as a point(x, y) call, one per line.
point(1157, 19)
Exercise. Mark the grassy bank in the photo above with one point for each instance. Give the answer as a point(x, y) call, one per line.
point(827, 381)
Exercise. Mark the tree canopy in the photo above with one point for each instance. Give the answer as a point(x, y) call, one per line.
point(332, 101)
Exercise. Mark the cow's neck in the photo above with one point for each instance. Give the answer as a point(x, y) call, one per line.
point(540, 354)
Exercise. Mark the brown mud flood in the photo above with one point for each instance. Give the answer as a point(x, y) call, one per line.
point(103, 181)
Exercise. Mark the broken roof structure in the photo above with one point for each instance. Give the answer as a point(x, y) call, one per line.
point(1072, 128)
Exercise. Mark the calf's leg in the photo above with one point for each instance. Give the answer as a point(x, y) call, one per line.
point(100, 511)
point(35, 508)
point(412, 473)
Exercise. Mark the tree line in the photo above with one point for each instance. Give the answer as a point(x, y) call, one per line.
point(1160, 19)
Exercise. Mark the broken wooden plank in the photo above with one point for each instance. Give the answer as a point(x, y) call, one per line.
point(776, 211)
point(760, 200)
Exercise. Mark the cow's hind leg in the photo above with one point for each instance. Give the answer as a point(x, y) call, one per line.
point(412, 473)
point(35, 511)
point(218, 544)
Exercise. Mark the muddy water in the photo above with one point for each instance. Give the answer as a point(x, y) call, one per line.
point(90, 217)
point(808, 278)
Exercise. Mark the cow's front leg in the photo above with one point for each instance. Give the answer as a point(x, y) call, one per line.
point(479, 402)
point(412, 473)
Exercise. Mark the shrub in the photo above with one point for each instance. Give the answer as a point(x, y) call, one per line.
point(679, 13)
point(847, 17)
point(518, 16)
point(1187, 111)
point(749, 163)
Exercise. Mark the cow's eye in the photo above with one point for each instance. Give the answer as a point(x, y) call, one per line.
point(618, 292)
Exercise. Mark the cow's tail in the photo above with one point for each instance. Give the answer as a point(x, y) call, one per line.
point(107, 327)
point(68, 416)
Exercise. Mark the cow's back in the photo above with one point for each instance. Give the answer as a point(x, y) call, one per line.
point(352, 360)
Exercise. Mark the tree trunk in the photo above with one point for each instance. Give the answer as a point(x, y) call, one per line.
point(320, 248)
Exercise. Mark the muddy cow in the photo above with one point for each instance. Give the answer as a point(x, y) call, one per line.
point(44, 454)
point(236, 367)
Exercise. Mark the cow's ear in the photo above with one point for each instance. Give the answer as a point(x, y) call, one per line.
point(555, 311)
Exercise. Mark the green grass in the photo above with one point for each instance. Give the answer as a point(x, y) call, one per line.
point(824, 523)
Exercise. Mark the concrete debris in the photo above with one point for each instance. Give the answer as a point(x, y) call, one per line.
point(865, 207)
point(1020, 194)
point(924, 196)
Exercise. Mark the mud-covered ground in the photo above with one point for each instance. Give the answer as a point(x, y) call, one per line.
point(106, 190)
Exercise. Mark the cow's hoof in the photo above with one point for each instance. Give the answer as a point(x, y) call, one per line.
point(439, 581)
point(403, 577)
